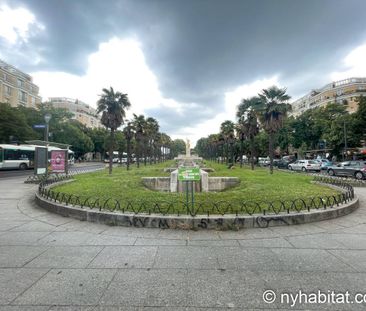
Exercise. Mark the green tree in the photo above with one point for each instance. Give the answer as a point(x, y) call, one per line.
point(72, 135)
point(250, 129)
point(113, 107)
point(151, 132)
point(272, 111)
point(227, 129)
point(358, 122)
point(13, 125)
point(178, 146)
point(139, 124)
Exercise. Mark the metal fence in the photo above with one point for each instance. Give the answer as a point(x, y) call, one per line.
point(36, 179)
point(202, 207)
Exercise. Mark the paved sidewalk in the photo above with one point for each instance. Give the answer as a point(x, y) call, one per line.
point(48, 262)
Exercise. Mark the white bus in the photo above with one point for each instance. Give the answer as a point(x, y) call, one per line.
point(22, 156)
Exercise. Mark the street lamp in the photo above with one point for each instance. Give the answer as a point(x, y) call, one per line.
point(47, 118)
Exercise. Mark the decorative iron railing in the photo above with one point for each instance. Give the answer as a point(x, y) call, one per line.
point(201, 207)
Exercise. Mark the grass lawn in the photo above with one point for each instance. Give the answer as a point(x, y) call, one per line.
point(256, 186)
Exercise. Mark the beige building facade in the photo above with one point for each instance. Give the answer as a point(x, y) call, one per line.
point(343, 92)
point(17, 88)
point(82, 112)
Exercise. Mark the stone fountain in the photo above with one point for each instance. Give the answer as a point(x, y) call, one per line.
point(206, 184)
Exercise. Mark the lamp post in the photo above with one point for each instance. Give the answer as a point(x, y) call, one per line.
point(47, 119)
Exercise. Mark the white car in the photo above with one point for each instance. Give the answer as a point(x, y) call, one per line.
point(305, 166)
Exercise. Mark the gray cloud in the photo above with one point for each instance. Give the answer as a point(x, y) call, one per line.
point(200, 49)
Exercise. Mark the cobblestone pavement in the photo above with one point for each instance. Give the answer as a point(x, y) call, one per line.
point(48, 262)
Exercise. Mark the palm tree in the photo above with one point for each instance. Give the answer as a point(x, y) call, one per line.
point(247, 113)
point(227, 130)
point(272, 110)
point(251, 130)
point(165, 144)
point(112, 105)
point(152, 128)
point(139, 124)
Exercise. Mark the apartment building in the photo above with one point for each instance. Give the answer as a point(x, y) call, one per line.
point(17, 88)
point(82, 112)
point(343, 92)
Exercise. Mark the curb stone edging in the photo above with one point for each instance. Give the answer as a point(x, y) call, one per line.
point(226, 222)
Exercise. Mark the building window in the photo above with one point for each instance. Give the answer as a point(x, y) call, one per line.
point(33, 99)
point(7, 90)
point(22, 96)
point(20, 83)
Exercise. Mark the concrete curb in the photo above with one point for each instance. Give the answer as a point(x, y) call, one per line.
point(226, 222)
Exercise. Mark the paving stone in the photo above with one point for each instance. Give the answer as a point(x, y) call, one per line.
point(84, 226)
point(72, 308)
point(309, 260)
point(24, 308)
point(251, 234)
point(224, 289)
point(147, 287)
point(160, 242)
point(354, 258)
point(321, 241)
point(21, 238)
point(175, 234)
point(132, 232)
point(240, 258)
point(65, 257)
point(359, 228)
point(15, 281)
point(213, 243)
point(65, 238)
point(259, 243)
point(204, 235)
point(190, 257)
point(34, 226)
point(7, 225)
point(17, 256)
point(127, 257)
point(351, 241)
point(99, 239)
point(68, 287)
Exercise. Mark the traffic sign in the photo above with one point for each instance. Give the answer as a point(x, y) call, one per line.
point(39, 126)
point(189, 174)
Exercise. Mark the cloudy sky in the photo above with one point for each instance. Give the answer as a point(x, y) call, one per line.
point(188, 63)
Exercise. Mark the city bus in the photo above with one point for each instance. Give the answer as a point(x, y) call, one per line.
point(22, 156)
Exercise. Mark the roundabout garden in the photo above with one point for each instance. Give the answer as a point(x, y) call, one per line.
point(257, 193)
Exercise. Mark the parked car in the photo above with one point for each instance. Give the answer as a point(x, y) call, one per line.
point(356, 169)
point(282, 164)
point(305, 165)
point(263, 161)
point(286, 161)
point(115, 160)
point(325, 163)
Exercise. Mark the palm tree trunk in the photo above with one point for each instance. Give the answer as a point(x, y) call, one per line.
point(270, 138)
point(128, 153)
point(111, 152)
point(138, 149)
point(252, 154)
